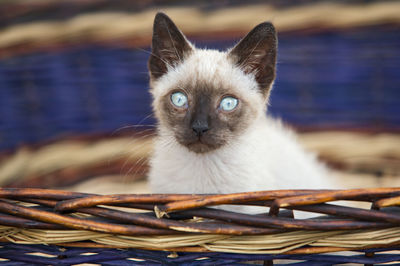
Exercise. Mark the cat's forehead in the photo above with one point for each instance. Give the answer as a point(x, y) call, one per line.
point(207, 71)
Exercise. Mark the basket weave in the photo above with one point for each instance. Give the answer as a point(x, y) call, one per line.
point(184, 223)
point(50, 255)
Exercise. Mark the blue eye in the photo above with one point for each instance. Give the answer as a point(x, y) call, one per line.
point(228, 103)
point(179, 99)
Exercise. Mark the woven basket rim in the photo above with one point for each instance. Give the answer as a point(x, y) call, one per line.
point(69, 218)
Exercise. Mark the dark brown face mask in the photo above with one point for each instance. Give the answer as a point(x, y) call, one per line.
point(200, 130)
point(210, 119)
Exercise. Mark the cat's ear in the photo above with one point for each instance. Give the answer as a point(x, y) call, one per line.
point(256, 53)
point(169, 46)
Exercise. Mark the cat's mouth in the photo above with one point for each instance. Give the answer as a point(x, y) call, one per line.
point(202, 144)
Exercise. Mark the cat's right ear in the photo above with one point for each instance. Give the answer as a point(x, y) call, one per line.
point(169, 46)
point(256, 54)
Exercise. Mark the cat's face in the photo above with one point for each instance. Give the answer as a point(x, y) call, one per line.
point(205, 102)
point(207, 98)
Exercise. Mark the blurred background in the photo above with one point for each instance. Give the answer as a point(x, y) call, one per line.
point(74, 101)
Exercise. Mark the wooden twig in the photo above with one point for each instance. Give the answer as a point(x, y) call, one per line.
point(76, 223)
point(118, 199)
point(316, 198)
point(235, 198)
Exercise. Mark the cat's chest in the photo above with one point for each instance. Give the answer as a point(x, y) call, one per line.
point(191, 173)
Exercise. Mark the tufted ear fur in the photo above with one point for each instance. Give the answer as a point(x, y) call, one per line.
point(169, 46)
point(256, 53)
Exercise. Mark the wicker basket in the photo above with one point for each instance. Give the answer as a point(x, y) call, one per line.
point(145, 229)
point(182, 224)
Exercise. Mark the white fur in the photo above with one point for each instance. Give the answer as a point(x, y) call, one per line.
point(266, 156)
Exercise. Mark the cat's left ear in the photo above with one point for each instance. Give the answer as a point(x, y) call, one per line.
point(256, 53)
point(169, 46)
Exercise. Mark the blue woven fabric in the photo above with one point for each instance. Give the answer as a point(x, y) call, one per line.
point(28, 255)
point(335, 79)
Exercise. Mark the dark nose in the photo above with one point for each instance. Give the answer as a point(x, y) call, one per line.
point(200, 127)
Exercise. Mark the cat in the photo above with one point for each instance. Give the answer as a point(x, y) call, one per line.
point(213, 133)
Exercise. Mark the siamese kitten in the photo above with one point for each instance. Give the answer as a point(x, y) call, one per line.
point(213, 132)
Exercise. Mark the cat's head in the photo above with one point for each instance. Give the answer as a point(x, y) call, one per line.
point(207, 98)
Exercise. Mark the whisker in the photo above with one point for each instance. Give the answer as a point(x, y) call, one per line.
point(146, 117)
point(137, 125)
point(138, 165)
point(153, 54)
point(131, 142)
point(130, 127)
point(129, 154)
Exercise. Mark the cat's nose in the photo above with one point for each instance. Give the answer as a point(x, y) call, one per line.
point(200, 127)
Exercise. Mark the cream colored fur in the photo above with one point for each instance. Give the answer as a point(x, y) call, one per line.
point(265, 156)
